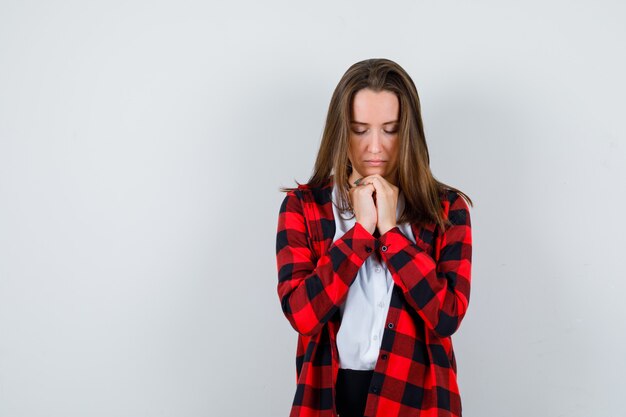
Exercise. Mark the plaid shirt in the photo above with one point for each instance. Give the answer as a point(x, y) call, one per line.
point(415, 373)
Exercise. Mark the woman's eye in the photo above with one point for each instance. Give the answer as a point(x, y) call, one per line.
point(361, 132)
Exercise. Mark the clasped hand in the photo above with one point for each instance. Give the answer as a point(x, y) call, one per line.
point(375, 202)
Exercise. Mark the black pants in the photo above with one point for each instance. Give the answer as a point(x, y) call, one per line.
point(351, 389)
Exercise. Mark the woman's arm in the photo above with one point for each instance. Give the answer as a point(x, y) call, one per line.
point(310, 292)
point(439, 292)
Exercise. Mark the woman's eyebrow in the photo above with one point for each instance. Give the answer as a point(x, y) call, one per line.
point(367, 124)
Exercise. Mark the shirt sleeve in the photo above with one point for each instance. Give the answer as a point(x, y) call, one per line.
point(438, 291)
point(311, 290)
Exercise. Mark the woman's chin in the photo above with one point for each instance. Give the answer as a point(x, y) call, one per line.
point(375, 170)
point(372, 169)
point(367, 171)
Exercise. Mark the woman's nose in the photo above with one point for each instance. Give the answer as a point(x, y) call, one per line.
point(374, 142)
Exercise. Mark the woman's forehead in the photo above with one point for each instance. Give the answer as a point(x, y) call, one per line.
point(375, 107)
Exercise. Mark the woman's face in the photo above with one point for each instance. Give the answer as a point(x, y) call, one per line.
point(373, 145)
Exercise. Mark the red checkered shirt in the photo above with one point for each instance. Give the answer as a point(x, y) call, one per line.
point(416, 373)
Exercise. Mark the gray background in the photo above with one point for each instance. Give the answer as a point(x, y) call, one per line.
point(142, 144)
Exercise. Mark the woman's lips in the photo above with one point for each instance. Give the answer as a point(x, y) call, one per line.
point(375, 163)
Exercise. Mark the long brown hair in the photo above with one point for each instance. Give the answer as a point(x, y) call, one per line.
point(422, 192)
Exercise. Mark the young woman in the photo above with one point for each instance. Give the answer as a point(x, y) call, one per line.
point(374, 260)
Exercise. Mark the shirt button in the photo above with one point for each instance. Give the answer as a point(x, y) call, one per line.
point(383, 356)
point(381, 304)
point(390, 325)
point(383, 248)
point(377, 269)
point(375, 337)
point(375, 389)
point(368, 249)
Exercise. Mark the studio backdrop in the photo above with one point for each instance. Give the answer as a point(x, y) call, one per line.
point(142, 146)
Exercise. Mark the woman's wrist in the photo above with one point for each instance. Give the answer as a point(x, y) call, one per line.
point(384, 229)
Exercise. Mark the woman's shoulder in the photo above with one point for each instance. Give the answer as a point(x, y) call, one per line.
point(448, 195)
point(311, 192)
point(456, 208)
point(320, 190)
point(317, 185)
point(454, 197)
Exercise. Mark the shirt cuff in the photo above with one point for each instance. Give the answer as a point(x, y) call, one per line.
point(393, 241)
point(363, 242)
